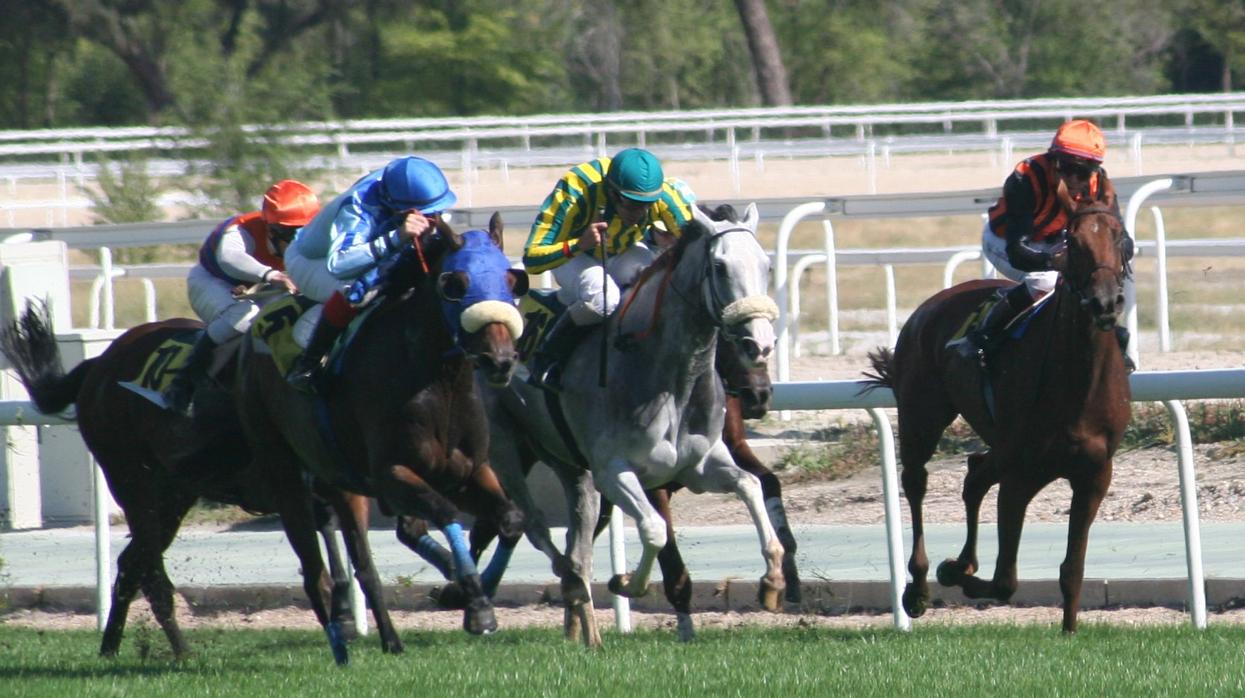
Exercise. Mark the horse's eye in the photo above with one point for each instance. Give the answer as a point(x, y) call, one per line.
point(452, 285)
point(518, 282)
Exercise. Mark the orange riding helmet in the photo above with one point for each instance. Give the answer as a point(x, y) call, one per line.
point(1080, 139)
point(289, 203)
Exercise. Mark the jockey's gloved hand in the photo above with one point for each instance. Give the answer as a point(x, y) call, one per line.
point(1024, 257)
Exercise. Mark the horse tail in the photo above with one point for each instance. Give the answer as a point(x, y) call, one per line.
point(883, 362)
point(30, 345)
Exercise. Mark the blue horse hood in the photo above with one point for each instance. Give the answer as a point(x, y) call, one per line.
point(486, 268)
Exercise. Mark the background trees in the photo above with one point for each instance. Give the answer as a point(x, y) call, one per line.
point(213, 62)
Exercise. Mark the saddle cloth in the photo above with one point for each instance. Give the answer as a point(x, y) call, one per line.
point(274, 329)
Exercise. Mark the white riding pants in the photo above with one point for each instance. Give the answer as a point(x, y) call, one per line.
point(994, 248)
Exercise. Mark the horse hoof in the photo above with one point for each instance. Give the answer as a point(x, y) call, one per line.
point(686, 627)
point(950, 573)
point(480, 621)
point(768, 595)
point(337, 643)
point(914, 602)
point(450, 597)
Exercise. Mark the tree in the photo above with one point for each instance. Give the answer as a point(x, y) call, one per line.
point(771, 74)
point(1222, 25)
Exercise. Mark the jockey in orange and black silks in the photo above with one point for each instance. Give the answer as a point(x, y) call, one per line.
point(1023, 238)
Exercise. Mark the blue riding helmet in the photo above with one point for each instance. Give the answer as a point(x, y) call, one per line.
point(413, 182)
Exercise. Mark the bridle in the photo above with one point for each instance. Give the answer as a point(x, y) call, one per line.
point(1124, 270)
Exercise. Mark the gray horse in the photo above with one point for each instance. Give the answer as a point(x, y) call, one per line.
point(659, 417)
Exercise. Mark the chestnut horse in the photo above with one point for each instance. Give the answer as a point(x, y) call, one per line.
point(1060, 406)
point(402, 420)
point(157, 463)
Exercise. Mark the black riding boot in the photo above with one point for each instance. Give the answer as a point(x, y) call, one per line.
point(557, 345)
point(305, 372)
point(178, 395)
point(1122, 336)
point(988, 334)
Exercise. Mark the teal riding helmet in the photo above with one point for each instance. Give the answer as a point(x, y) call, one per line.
point(636, 174)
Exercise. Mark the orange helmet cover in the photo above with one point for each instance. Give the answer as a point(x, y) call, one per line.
point(1080, 138)
point(290, 203)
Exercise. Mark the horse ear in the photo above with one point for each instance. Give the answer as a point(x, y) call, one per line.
point(699, 215)
point(494, 230)
point(752, 216)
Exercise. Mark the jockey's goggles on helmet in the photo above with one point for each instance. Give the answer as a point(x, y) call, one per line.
point(1075, 167)
point(282, 233)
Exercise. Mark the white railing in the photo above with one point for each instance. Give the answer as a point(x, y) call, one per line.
point(1170, 387)
point(1191, 189)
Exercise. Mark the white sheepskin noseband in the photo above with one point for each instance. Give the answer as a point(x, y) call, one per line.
point(484, 312)
point(749, 308)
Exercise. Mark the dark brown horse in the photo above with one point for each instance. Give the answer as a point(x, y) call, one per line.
point(402, 420)
point(157, 463)
point(1061, 403)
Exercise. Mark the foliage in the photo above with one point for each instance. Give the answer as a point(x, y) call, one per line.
point(127, 193)
point(1210, 421)
point(795, 660)
point(272, 61)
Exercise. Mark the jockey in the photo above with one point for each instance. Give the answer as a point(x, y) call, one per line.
point(601, 207)
point(340, 256)
point(241, 251)
point(1023, 235)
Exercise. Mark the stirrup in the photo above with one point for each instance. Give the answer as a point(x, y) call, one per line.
point(304, 379)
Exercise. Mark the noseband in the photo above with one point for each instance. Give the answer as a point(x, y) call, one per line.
point(727, 315)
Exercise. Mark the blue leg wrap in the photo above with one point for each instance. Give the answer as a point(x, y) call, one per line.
point(462, 553)
point(434, 554)
point(337, 643)
point(491, 576)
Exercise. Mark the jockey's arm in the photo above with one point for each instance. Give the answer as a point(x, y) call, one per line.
point(233, 253)
point(360, 239)
point(1020, 207)
point(555, 234)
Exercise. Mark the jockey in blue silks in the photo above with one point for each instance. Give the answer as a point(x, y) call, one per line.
point(349, 244)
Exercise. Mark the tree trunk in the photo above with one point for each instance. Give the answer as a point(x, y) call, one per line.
point(767, 62)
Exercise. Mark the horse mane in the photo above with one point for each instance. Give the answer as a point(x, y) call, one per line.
point(692, 230)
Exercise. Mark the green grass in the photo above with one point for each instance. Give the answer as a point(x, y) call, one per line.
point(977, 660)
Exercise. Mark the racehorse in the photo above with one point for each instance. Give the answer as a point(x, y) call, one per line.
point(157, 463)
point(659, 418)
point(1060, 406)
point(402, 420)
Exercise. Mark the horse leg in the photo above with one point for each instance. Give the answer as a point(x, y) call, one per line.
point(339, 605)
point(153, 514)
point(675, 577)
point(1087, 495)
point(718, 473)
point(981, 476)
point(771, 491)
point(1015, 493)
point(497, 517)
point(409, 494)
point(583, 507)
point(352, 513)
point(919, 430)
point(298, 520)
point(621, 486)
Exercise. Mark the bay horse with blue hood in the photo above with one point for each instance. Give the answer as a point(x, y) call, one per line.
point(401, 419)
